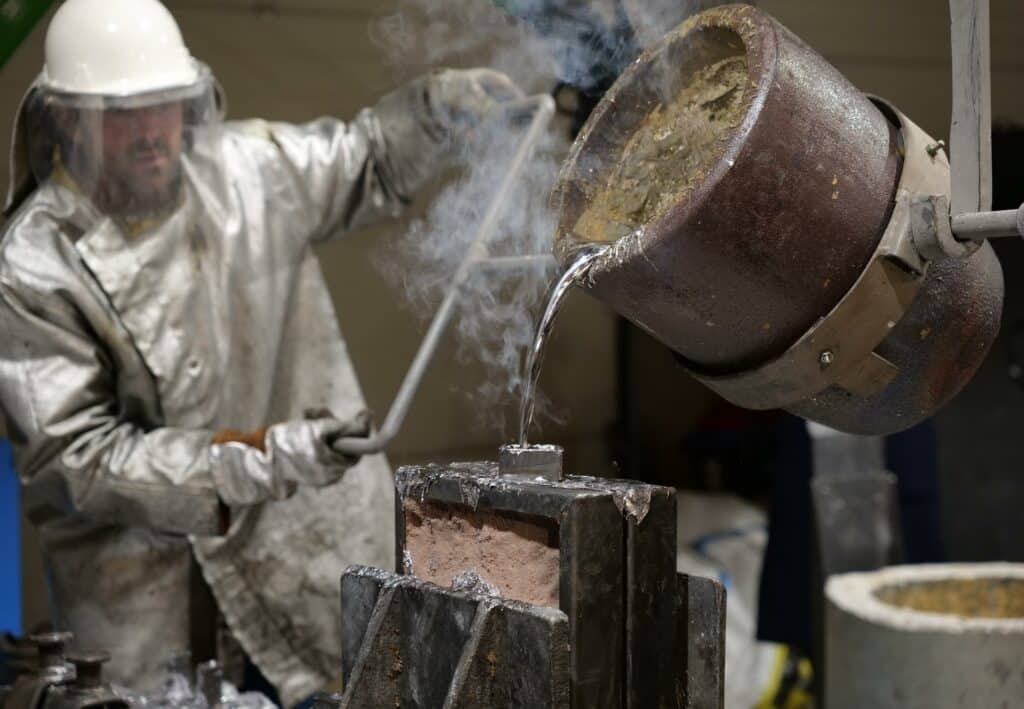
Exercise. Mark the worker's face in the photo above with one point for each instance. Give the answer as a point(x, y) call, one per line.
point(130, 159)
point(141, 151)
point(141, 146)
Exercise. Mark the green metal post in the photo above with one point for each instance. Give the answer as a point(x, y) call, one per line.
point(17, 20)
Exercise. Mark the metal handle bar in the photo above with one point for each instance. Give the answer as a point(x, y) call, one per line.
point(476, 256)
point(978, 226)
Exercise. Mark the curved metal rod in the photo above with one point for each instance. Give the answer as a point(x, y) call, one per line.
point(544, 109)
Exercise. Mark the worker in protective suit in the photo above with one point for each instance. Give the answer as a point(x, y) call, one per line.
point(171, 369)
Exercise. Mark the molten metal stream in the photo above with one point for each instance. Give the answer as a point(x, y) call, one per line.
point(576, 271)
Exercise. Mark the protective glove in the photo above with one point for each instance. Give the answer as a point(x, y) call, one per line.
point(413, 129)
point(293, 453)
point(461, 99)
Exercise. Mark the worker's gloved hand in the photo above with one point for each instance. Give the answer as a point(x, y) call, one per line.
point(461, 99)
point(414, 128)
point(294, 453)
point(334, 462)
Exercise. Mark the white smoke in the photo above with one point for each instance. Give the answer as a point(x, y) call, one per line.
point(422, 35)
point(497, 309)
point(498, 313)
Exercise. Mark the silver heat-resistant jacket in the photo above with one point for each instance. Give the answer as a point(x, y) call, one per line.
point(120, 356)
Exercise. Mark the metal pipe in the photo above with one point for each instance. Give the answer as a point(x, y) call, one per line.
point(970, 133)
point(978, 226)
point(544, 109)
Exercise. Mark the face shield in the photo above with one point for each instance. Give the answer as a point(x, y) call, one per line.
point(125, 154)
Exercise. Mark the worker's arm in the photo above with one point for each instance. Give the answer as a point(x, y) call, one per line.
point(346, 175)
point(57, 388)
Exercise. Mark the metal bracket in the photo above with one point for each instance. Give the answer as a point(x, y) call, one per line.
point(933, 230)
point(839, 349)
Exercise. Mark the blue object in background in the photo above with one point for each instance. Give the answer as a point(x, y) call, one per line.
point(10, 547)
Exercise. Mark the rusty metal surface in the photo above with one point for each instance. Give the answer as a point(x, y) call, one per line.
point(782, 223)
point(856, 366)
point(700, 648)
point(938, 345)
point(423, 647)
point(761, 248)
point(617, 551)
point(839, 349)
point(944, 335)
point(589, 516)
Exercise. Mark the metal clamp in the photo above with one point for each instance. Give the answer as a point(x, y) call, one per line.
point(933, 230)
point(938, 235)
point(839, 349)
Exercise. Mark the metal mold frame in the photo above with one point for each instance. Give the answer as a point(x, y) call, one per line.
point(617, 571)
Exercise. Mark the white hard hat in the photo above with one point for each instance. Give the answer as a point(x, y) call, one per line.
point(108, 55)
point(116, 48)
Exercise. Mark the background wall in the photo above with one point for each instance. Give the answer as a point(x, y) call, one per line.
point(297, 59)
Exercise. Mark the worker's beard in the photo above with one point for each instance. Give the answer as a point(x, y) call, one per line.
point(144, 182)
point(128, 198)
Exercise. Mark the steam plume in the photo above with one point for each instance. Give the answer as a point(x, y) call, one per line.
point(539, 43)
point(496, 320)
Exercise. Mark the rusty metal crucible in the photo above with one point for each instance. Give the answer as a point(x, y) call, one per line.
point(757, 207)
